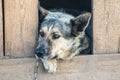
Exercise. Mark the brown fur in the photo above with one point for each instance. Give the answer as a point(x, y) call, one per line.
point(61, 36)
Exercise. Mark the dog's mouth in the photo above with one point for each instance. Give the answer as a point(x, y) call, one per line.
point(41, 53)
point(46, 57)
point(55, 57)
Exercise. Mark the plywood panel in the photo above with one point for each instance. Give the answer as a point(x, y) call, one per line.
point(21, 22)
point(1, 30)
point(106, 26)
point(102, 67)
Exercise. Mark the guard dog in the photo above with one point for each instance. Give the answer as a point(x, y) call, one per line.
point(61, 36)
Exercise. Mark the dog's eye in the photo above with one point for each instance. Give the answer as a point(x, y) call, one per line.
point(55, 36)
point(42, 34)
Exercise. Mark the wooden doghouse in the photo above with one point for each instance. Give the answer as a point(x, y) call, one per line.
point(18, 31)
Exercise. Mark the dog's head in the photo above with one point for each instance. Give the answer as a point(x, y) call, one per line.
point(58, 31)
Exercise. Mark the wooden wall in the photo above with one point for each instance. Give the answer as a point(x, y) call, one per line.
point(21, 22)
point(106, 26)
point(1, 30)
point(94, 67)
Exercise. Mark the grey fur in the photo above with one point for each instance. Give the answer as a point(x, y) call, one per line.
point(72, 41)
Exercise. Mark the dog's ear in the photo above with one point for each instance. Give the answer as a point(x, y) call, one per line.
point(80, 23)
point(43, 11)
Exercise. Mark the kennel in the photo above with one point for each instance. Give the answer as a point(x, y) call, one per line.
point(18, 30)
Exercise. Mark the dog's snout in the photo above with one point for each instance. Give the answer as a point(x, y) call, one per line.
point(40, 52)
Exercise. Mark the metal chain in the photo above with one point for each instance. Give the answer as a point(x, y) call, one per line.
point(36, 67)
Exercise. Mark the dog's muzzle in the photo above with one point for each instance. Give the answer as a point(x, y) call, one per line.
point(40, 52)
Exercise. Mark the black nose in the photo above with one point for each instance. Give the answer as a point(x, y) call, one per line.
point(40, 52)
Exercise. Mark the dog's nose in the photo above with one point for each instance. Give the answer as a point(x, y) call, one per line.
point(40, 52)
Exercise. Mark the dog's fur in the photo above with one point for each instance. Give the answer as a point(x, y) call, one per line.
point(61, 36)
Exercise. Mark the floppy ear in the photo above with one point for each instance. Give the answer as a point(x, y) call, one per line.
point(43, 11)
point(80, 23)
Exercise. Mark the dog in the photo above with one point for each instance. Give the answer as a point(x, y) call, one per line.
point(61, 36)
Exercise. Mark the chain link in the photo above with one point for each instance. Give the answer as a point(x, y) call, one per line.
point(36, 67)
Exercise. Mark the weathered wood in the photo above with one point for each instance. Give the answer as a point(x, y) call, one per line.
point(94, 67)
point(106, 27)
point(1, 30)
point(21, 22)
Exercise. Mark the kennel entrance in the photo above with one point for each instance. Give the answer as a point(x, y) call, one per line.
point(21, 22)
point(73, 7)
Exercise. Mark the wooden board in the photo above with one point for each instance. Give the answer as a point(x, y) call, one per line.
point(21, 22)
point(1, 30)
point(106, 26)
point(94, 67)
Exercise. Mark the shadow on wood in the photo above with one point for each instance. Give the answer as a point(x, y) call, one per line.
point(1, 30)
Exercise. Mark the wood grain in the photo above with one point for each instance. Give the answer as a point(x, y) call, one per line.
point(21, 22)
point(106, 27)
point(94, 67)
point(1, 30)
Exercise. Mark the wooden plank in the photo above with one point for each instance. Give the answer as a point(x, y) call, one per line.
point(1, 30)
point(21, 22)
point(93, 67)
point(106, 17)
